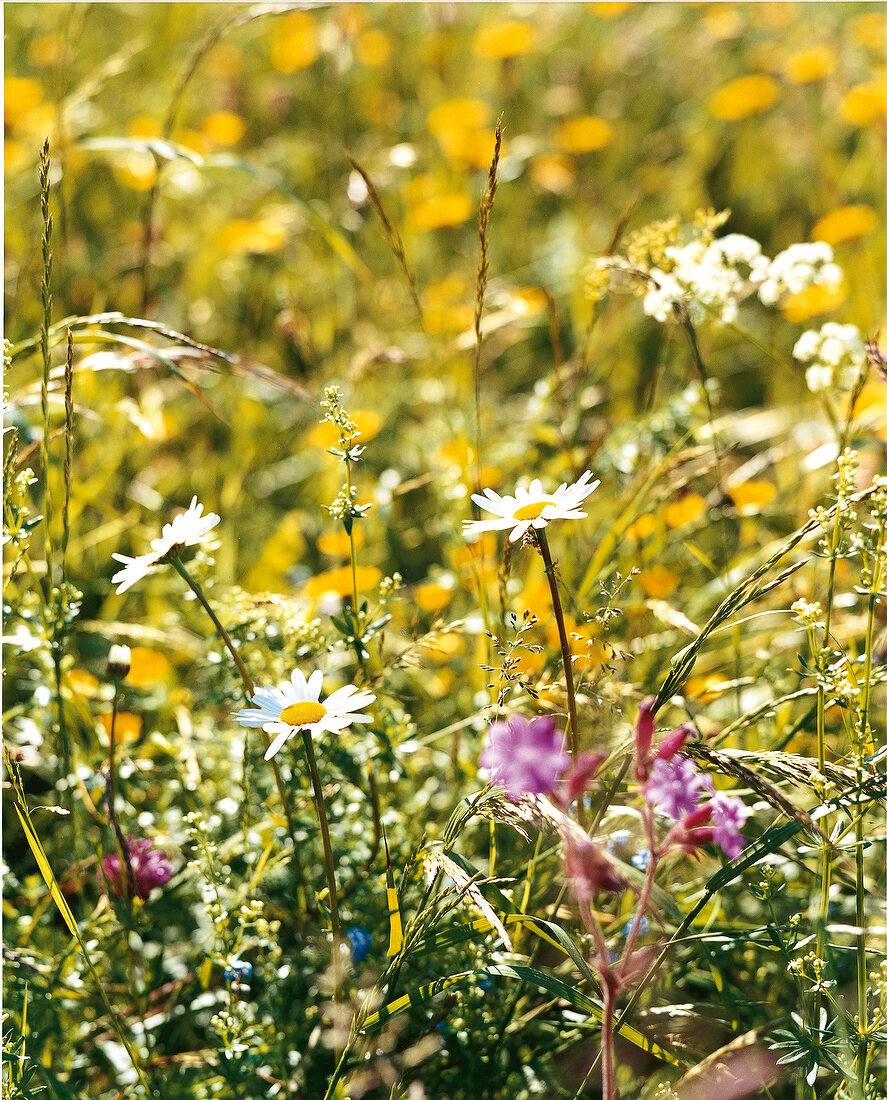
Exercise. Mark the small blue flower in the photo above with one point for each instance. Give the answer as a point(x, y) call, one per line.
point(641, 859)
point(486, 983)
point(238, 971)
point(643, 926)
point(361, 942)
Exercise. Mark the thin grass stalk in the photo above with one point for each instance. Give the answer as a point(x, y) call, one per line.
point(395, 243)
point(566, 657)
point(323, 821)
point(46, 324)
point(22, 807)
point(483, 267)
point(250, 687)
point(111, 797)
point(69, 447)
point(200, 51)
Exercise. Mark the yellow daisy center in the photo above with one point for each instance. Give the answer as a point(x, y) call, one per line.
point(302, 714)
point(532, 511)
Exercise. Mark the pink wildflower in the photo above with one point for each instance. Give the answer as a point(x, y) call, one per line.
point(150, 868)
point(525, 756)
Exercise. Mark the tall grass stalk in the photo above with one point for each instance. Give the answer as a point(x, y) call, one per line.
point(483, 268)
point(46, 325)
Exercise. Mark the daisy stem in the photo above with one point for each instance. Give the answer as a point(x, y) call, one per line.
point(250, 687)
point(542, 543)
point(325, 835)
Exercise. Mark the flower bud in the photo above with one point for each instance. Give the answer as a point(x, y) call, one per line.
point(119, 661)
point(672, 743)
point(643, 738)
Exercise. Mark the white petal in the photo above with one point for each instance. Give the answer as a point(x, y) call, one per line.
point(314, 684)
point(519, 531)
point(279, 741)
point(300, 684)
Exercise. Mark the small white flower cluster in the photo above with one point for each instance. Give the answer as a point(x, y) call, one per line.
point(797, 268)
point(836, 354)
point(712, 279)
point(716, 276)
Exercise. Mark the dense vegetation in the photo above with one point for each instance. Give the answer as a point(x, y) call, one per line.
point(407, 760)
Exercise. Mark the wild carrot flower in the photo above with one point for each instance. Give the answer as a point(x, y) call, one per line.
point(525, 756)
point(295, 705)
point(187, 529)
point(150, 868)
point(530, 507)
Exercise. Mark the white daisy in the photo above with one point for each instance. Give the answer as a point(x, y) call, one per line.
point(530, 507)
point(295, 705)
point(187, 529)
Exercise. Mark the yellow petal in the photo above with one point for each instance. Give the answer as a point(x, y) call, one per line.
point(501, 40)
point(583, 135)
point(743, 97)
point(845, 223)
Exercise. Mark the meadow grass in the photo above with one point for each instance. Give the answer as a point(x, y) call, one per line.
point(505, 715)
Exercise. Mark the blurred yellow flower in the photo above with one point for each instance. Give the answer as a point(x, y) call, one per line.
point(340, 581)
point(83, 682)
point(432, 597)
point(743, 97)
point(526, 301)
point(136, 169)
point(144, 126)
point(583, 135)
point(704, 689)
point(352, 18)
point(870, 30)
point(552, 172)
point(46, 50)
point(442, 647)
point(752, 496)
point(326, 435)
point(373, 47)
point(441, 211)
point(21, 95)
point(127, 726)
point(501, 40)
point(812, 64)
point(845, 223)
point(866, 103)
point(15, 156)
point(257, 236)
point(294, 42)
point(285, 547)
point(610, 10)
point(723, 21)
point(814, 300)
point(458, 114)
point(337, 544)
point(777, 15)
point(642, 528)
point(196, 141)
point(657, 581)
point(223, 127)
point(147, 666)
point(686, 510)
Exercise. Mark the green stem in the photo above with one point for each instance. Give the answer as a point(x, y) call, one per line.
point(250, 687)
point(110, 798)
point(308, 742)
point(542, 543)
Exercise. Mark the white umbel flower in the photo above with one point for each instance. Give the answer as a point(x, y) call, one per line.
point(187, 529)
point(295, 705)
point(530, 507)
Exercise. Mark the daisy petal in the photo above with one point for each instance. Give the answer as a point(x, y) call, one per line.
point(278, 742)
